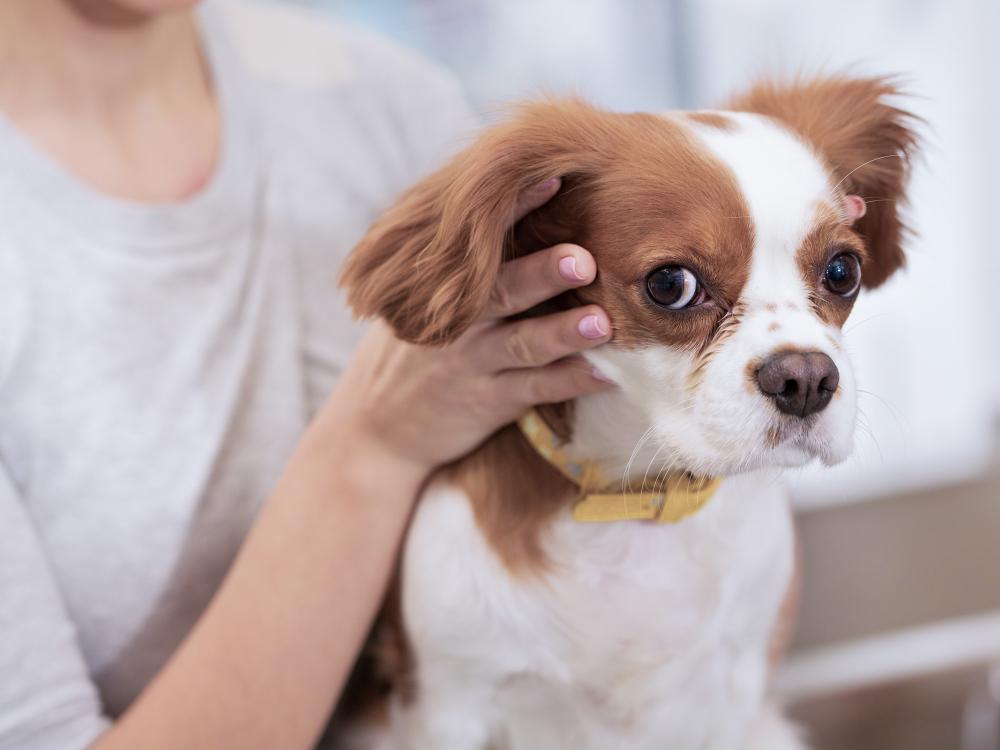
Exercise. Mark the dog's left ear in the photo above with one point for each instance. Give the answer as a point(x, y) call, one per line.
point(429, 266)
point(866, 141)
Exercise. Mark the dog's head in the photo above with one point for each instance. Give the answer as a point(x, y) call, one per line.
point(730, 246)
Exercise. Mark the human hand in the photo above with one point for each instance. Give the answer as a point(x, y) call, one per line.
point(430, 405)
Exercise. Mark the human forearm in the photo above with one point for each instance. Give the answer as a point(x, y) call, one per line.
point(266, 662)
point(264, 665)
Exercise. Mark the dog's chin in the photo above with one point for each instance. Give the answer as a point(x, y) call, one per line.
point(794, 456)
point(795, 449)
point(754, 458)
point(810, 446)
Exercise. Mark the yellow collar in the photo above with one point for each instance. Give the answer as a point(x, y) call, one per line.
point(681, 495)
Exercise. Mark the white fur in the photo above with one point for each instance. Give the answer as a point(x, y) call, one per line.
point(721, 427)
point(784, 185)
point(642, 635)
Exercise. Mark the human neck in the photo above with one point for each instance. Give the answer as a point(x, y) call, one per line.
point(93, 61)
point(124, 102)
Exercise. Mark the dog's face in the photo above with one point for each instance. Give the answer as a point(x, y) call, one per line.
point(729, 261)
point(730, 249)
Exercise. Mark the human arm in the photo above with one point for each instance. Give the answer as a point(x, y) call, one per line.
point(264, 665)
point(247, 674)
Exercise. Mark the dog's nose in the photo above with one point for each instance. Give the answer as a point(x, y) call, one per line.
point(801, 383)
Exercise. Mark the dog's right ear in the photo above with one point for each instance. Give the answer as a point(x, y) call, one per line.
point(429, 266)
point(866, 140)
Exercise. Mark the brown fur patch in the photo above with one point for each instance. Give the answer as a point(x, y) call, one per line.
point(384, 667)
point(750, 381)
point(724, 331)
point(559, 418)
point(775, 326)
point(828, 238)
point(515, 494)
point(639, 192)
point(867, 142)
point(773, 437)
point(660, 200)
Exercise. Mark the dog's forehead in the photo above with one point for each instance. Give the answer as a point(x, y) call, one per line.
point(784, 184)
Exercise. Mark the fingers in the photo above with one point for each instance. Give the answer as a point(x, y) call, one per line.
point(525, 282)
point(559, 381)
point(538, 341)
point(535, 197)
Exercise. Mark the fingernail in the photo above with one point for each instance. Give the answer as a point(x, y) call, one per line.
point(592, 327)
point(568, 269)
point(599, 374)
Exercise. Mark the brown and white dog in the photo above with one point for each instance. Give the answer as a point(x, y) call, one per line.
point(731, 246)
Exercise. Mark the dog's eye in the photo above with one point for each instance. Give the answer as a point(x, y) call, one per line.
point(674, 287)
point(843, 274)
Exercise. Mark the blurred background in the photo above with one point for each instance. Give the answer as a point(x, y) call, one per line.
point(899, 640)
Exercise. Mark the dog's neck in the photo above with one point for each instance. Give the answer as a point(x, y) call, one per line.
point(606, 427)
point(515, 492)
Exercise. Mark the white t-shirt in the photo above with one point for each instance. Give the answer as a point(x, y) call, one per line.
point(159, 361)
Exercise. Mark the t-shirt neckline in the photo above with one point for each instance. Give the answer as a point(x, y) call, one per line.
point(210, 211)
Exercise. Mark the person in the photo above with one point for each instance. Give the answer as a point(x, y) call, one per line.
point(206, 468)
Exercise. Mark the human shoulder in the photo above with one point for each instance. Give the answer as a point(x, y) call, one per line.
point(283, 43)
point(347, 96)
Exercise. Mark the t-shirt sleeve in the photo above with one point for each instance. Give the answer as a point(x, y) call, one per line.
point(47, 700)
point(418, 117)
point(425, 101)
point(437, 119)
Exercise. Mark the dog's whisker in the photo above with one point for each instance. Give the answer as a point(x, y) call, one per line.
point(865, 427)
point(865, 164)
point(861, 322)
point(637, 449)
point(893, 410)
point(645, 475)
point(635, 452)
point(661, 472)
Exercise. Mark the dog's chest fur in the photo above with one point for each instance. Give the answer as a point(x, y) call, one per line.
point(635, 635)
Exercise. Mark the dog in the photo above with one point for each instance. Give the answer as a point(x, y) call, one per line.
point(540, 605)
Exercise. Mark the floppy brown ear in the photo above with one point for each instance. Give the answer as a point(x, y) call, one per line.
point(429, 265)
point(868, 143)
